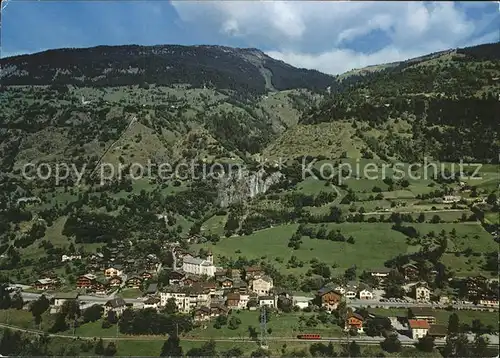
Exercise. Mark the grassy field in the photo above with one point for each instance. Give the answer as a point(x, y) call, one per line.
point(271, 244)
point(282, 325)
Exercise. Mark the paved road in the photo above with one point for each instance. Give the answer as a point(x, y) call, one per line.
point(373, 303)
point(28, 296)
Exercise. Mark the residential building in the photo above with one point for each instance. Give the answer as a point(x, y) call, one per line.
point(186, 298)
point(354, 321)
point(448, 199)
point(422, 293)
point(217, 309)
point(134, 282)
point(175, 277)
point(328, 298)
point(60, 298)
point(262, 285)
point(418, 328)
point(152, 289)
point(269, 301)
point(423, 313)
point(253, 272)
point(225, 282)
point(85, 281)
point(189, 281)
point(117, 305)
point(65, 258)
point(476, 286)
point(202, 314)
point(410, 271)
point(438, 331)
point(112, 271)
point(115, 281)
point(199, 266)
point(301, 301)
point(350, 293)
point(100, 287)
point(380, 273)
point(44, 284)
point(152, 302)
point(365, 294)
point(146, 275)
point(233, 300)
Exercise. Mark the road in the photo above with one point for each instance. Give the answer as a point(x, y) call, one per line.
point(374, 303)
point(28, 296)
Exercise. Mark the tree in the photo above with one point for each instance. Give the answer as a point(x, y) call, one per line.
point(171, 347)
point(110, 349)
point(391, 344)
point(99, 347)
point(353, 350)
point(93, 313)
point(38, 307)
point(232, 352)
point(59, 324)
point(206, 350)
point(170, 306)
point(425, 344)
point(17, 301)
point(234, 322)
point(453, 324)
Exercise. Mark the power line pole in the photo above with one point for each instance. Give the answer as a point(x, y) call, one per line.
point(263, 327)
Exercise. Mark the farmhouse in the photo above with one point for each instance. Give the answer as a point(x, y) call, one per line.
point(85, 281)
point(328, 298)
point(437, 331)
point(116, 270)
point(60, 298)
point(418, 328)
point(354, 321)
point(425, 314)
point(117, 305)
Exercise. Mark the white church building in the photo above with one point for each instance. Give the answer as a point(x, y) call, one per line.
point(199, 266)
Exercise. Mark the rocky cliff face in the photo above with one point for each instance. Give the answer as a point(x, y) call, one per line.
point(239, 187)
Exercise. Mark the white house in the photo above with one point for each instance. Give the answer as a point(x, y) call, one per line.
point(199, 266)
point(262, 285)
point(269, 301)
point(422, 293)
point(152, 302)
point(418, 328)
point(366, 294)
point(60, 298)
point(350, 293)
point(184, 301)
point(301, 301)
point(65, 258)
point(243, 301)
point(340, 289)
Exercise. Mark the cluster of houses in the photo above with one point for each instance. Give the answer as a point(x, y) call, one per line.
point(421, 324)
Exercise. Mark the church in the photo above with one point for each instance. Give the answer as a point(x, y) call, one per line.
point(199, 266)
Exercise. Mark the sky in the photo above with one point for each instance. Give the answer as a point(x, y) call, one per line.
point(330, 36)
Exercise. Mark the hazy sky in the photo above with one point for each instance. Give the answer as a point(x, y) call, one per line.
point(332, 37)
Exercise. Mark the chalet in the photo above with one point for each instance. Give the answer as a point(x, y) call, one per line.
point(115, 281)
point(60, 298)
point(201, 314)
point(45, 284)
point(211, 286)
point(217, 309)
point(117, 305)
point(100, 287)
point(418, 328)
point(225, 282)
point(354, 321)
point(152, 289)
point(189, 281)
point(253, 272)
point(476, 286)
point(328, 298)
point(262, 285)
point(240, 286)
point(235, 274)
point(351, 292)
point(85, 281)
point(366, 294)
point(152, 302)
point(422, 292)
point(175, 277)
point(146, 275)
point(233, 300)
point(134, 282)
point(489, 299)
point(410, 272)
point(437, 331)
point(115, 270)
point(423, 314)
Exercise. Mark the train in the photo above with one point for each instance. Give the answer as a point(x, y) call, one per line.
point(309, 336)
